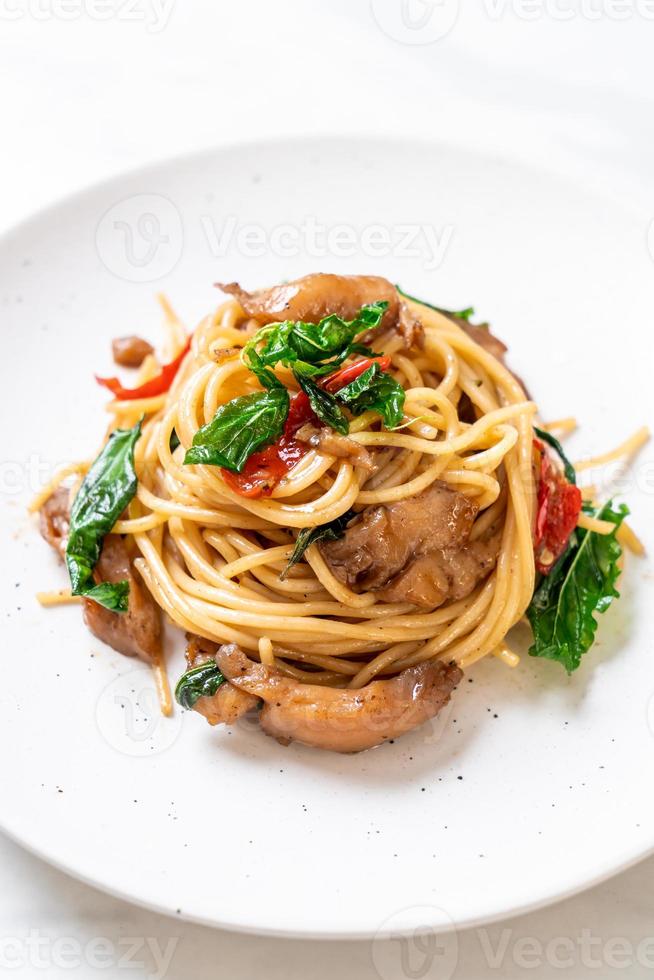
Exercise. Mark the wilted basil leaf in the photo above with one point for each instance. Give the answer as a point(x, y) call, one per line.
point(311, 535)
point(199, 682)
point(378, 391)
point(324, 405)
point(582, 583)
point(239, 428)
point(106, 490)
point(254, 362)
point(311, 343)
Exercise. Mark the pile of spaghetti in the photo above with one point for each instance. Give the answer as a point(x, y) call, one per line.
point(332, 485)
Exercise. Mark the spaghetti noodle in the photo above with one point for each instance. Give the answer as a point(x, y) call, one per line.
point(199, 527)
point(219, 557)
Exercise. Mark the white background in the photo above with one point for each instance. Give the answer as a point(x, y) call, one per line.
point(92, 87)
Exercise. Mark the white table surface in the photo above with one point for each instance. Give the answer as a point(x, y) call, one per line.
point(92, 87)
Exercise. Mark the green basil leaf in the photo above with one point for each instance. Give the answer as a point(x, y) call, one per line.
point(106, 490)
point(317, 341)
point(361, 349)
point(568, 468)
point(326, 367)
point(376, 390)
point(199, 682)
point(311, 343)
point(239, 428)
point(112, 595)
point(314, 342)
point(276, 347)
point(311, 535)
point(581, 584)
point(458, 314)
point(324, 405)
point(255, 363)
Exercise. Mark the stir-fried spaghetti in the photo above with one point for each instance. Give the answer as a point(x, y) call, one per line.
point(218, 550)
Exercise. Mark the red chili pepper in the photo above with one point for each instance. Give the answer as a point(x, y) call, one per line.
point(265, 469)
point(155, 386)
point(559, 506)
point(337, 380)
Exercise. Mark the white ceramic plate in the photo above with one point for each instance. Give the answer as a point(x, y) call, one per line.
point(533, 785)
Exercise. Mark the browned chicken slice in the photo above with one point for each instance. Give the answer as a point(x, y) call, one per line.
point(229, 703)
point(136, 633)
point(334, 444)
point(199, 650)
point(395, 549)
point(443, 575)
point(54, 520)
point(130, 351)
point(341, 720)
point(385, 538)
point(316, 296)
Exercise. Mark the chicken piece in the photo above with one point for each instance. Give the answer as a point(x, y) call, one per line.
point(416, 550)
point(229, 703)
point(136, 633)
point(199, 650)
point(54, 520)
point(336, 719)
point(130, 351)
point(443, 575)
point(334, 444)
point(411, 329)
point(385, 538)
point(316, 296)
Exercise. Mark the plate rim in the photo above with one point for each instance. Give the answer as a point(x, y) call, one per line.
point(630, 856)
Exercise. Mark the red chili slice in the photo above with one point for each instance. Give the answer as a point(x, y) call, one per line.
point(265, 469)
point(155, 386)
point(337, 380)
point(558, 509)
